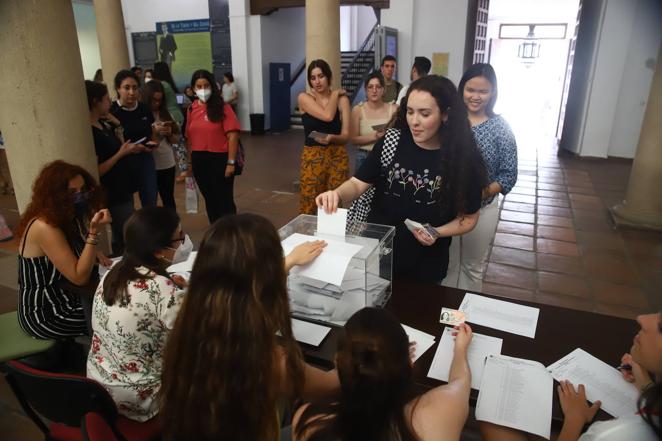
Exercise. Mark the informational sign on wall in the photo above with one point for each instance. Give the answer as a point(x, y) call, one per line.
point(185, 46)
point(440, 63)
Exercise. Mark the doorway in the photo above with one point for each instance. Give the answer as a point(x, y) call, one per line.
point(530, 47)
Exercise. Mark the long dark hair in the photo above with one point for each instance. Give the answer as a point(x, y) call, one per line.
point(162, 73)
point(481, 70)
point(215, 102)
point(221, 378)
point(462, 161)
point(95, 92)
point(147, 231)
point(149, 89)
point(376, 384)
point(650, 402)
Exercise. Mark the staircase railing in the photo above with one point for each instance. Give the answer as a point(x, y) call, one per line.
point(297, 72)
point(360, 66)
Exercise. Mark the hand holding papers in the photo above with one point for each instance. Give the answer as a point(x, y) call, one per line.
point(104, 269)
point(516, 393)
point(423, 340)
point(334, 223)
point(497, 314)
point(185, 266)
point(480, 347)
point(602, 382)
point(330, 266)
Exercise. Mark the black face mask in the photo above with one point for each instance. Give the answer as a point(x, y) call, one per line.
point(81, 203)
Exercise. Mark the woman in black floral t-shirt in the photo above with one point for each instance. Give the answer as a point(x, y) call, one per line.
point(436, 177)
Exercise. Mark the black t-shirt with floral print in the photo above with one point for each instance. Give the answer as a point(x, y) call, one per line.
point(410, 187)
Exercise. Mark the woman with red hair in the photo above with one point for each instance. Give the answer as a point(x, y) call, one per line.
point(59, 230)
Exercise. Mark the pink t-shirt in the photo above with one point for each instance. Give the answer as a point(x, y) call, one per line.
point(208, 136)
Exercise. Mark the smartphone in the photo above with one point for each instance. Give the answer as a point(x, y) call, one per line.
point(379, 127)
point(140, 141)
point(315, 134)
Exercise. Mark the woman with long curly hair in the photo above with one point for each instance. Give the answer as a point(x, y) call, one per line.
point(231, 357)
point(433, 174)
point(59, 230)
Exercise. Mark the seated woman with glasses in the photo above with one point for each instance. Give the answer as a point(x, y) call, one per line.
point(134, 309)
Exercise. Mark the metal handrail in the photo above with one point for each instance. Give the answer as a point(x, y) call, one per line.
point(297, 72)
point(368, 43)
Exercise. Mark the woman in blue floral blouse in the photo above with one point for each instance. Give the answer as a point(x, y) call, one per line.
point(468, 253)
point(135, 307)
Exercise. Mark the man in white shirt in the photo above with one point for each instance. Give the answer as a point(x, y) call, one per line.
point(420, 69)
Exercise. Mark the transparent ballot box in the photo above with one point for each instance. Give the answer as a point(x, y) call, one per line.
point(353, 271)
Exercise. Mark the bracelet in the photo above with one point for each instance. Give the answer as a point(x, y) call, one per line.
point(231, 162)
point(92, 242)
point(93, 234)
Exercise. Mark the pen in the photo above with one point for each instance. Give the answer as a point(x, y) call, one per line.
point(625, 367)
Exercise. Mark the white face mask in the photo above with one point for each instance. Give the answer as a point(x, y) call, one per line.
point(147, 80)
point(182, 253)
point(203, 94)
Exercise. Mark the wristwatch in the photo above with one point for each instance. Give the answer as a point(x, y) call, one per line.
point(231, 162)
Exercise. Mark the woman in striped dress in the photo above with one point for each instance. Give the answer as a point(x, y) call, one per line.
point(59, 233)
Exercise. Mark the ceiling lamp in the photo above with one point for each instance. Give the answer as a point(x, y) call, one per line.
point(529, 49)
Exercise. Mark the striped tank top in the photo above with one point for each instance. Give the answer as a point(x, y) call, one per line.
point(44, 309)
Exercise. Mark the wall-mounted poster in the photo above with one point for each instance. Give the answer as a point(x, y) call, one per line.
point(185, 46)
point(440, 63)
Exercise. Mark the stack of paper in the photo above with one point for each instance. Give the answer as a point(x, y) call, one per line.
point(497, 314)
point(423, 340)
point(480, 348)
point(325, 301)
point(516, 393)
point(602, 382)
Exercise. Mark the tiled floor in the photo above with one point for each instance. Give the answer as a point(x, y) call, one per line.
point(555, 243)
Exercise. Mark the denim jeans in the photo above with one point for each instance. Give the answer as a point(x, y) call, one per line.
point(361, 156)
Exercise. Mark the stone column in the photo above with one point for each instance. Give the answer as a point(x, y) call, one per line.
point(111, 34)
point(642, 206)
point(323, 35)
point(43, 110)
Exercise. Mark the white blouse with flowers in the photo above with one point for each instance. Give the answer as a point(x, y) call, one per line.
point(129, 340)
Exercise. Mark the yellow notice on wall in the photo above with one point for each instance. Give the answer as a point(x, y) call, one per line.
point(440, 63)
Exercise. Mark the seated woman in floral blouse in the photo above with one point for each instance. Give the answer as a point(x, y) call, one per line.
point(135, 307)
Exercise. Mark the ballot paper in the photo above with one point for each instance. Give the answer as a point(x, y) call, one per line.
point(333, 224)
point(423, 340)
point(602, 382)
point(330, 266)
point(309, 333)
point(480, 348)
point(516, 393)
point(104, 269)
point(497, 314)
point(185, 266)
